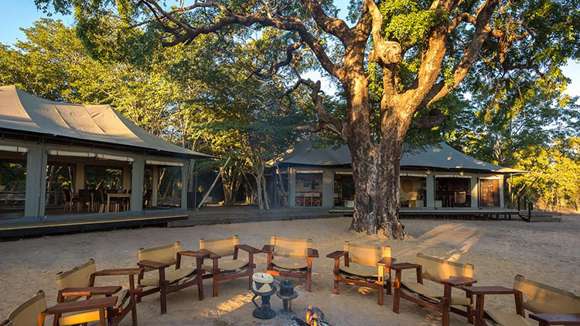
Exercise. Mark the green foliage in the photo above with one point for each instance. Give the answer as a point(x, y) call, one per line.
point(407, 22)
point(553, 177)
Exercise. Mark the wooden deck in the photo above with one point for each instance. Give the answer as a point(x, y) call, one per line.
point(492, 213)
point(78, 223)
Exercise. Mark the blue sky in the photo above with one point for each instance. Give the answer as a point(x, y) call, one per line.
point(22, 13)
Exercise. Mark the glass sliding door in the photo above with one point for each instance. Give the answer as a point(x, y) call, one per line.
point(170, 186)
point(308, 189)
point(343, 190)
point(489, 192)
point(59, 188)
point(452, 192)
point(12, 187)
point(413, 191)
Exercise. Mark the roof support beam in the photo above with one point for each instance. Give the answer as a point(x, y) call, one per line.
point(35, 199)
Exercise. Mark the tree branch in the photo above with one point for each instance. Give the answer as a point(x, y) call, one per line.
point(384, 52)
point(470, 54)
point(290, 50)
point(331, 25)
point(187, 33)
point(326, 120)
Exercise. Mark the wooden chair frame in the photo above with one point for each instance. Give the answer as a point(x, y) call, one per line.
point(544, 319)
point(164, 287)
point(219, 276)
point(443, 306)
point(101, 304)
point(380, 284)
point(300, 273)
point(114, 314)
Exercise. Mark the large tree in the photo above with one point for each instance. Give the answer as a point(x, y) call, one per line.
point(394, 62)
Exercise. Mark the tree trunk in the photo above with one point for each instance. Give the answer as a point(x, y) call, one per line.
point(375, 165)
point(376, 180)
point(265, 193)
point(259, 191)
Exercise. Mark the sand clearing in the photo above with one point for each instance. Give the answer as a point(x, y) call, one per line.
point(548, 252)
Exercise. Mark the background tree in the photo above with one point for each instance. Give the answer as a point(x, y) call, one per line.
point(419, 51)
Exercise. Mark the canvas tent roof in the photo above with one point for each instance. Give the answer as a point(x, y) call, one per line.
point(21, 111)
point(437, 156)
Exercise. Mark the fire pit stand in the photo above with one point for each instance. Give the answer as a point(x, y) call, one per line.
point(287, 293)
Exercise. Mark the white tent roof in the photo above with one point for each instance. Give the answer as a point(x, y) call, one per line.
point(436, 156)
point(21, 111)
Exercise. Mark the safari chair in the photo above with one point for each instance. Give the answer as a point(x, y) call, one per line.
point(291, 258)
point(364, 266)
point(79, 283)
point(162, 272)
point(545, 304)
point(34, 311)
point(225, 264)
point(434, 286)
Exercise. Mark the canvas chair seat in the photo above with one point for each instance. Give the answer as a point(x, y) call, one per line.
point(434, 291)
point(172, 275)
point(542, 298)
point(225, 264)
point(505, 318)
point(79, 318)
point(289, 262)
point(288, 247)
point(360, 271)
point(27, 313)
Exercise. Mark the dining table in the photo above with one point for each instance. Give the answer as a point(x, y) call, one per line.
point(115, 195)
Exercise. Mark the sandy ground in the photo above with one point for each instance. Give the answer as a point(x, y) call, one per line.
point(548, 252)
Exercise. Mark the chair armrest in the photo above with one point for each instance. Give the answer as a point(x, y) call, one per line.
point(487, 290)
point(268, 248)
point(336, 254)
point(312, 253)
point(210, 254)
point(459, 281)
point(118, 272)
point(387, 261)
point(403, 266)
point(249, 249)
point(557, 319)
point(193, 253)
point(88, 291)
point(153, 264)
point(77, 306)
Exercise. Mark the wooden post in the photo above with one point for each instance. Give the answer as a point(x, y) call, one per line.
point(291, 187)
point(474, 192)
point(430, 185)
point(35, 197)
point(328, 188)
point(155, 186)
point(184, 184)
point(137, 180)
point(79, 177)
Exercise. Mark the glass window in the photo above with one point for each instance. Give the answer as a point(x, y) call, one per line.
point(104, 178)
point(452, 192)
point(489, 193)
point(413, 191)
point(309, 189)
point(170, 186)
point(12, 187)
point(343, 190)
point(59, 185)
